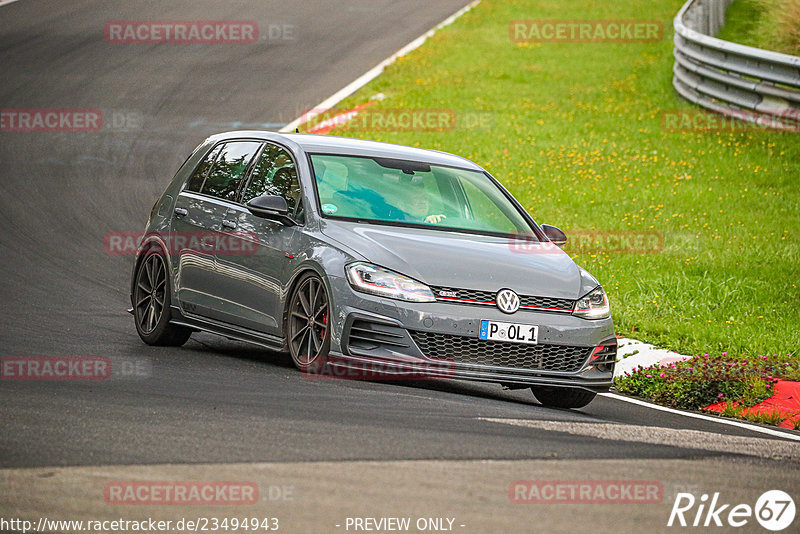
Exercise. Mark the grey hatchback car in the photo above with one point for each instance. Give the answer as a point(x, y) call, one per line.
point(370, 260)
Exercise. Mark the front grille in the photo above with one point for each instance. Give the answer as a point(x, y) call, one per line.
point(483, 297)
point(471, 350)
point(547, 303)
point(472, 296)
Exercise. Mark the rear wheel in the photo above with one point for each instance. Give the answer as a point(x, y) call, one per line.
point(308, 333)
point(151, 303)
point(563, 397)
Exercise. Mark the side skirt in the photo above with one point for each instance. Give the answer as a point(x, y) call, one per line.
point(238, 333)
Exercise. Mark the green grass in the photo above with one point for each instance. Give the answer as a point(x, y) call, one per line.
point(769, 24)
point(705, 380)
point(774, 417)
point(735, 411)
point(575, 133)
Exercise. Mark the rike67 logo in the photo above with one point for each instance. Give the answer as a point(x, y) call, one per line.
point(774, 510)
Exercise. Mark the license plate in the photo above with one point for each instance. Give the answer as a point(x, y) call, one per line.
point(513, 332)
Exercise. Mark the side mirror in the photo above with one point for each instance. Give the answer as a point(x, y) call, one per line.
point(272, 207)
point(555, 235)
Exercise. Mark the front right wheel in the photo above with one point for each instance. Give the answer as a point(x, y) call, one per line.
point(563, 397)
point(308, 320)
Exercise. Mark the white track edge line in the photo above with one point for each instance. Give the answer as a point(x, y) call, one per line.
point(373, 73)
point(753, 428)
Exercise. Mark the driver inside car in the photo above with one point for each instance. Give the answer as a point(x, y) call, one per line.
point(418, 207)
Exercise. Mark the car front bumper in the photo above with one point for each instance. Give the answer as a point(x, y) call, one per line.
point(379, 337)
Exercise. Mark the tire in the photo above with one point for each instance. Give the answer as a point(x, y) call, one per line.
point(151, 303)
point(563, 397)
point(307, 324)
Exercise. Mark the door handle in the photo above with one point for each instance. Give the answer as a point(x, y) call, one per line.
point(181, 212)
point(229, 224)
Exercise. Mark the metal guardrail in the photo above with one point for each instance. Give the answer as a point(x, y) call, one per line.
point(740, 81)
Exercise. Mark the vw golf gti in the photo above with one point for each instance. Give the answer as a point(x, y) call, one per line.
point(359, 255)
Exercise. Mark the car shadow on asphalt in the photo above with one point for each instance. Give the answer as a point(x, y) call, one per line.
point(478, 390)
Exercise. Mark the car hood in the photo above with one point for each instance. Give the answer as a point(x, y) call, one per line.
point(465, 261)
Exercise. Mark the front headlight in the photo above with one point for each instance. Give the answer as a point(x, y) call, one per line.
point(593, 306)
point(375, 280)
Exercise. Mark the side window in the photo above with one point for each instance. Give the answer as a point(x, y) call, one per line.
point(196, 181)
point(274, 174)
point(226, 174)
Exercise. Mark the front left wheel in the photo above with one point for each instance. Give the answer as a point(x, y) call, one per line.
point(151, 303)
point(308, 320)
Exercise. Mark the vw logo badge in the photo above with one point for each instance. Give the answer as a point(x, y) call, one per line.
point(507, 301)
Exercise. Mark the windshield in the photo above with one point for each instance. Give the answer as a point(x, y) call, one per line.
point(409, 193)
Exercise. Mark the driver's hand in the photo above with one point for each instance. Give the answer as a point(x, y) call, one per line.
point(435, 219)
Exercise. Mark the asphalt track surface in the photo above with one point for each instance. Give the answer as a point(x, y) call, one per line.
point(216, 401)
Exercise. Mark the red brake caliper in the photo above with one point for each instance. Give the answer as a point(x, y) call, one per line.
point(325, 322)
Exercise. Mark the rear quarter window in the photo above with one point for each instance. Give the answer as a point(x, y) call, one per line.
point(228, 169)
point(195, 183)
